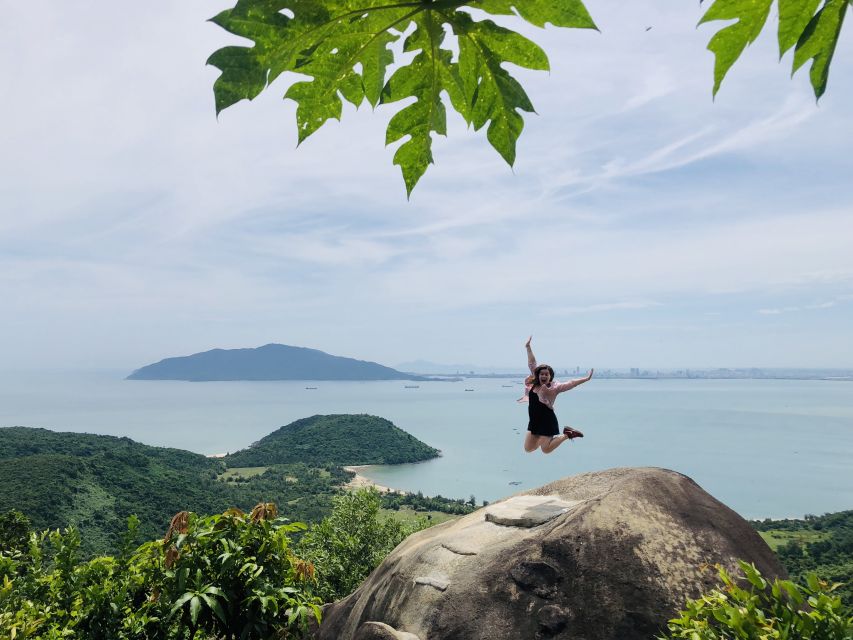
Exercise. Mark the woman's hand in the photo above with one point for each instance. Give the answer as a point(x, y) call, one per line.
point(589, 375)
point(527, 344)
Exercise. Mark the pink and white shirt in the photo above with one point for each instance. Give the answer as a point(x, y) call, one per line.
point(547, 394)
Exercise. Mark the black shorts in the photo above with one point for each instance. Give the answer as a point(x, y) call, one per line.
point(550, 428)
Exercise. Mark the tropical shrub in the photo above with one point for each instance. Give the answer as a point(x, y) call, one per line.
point(760, 610)
point(48, 593)
point(225, 576)
point(351, 542)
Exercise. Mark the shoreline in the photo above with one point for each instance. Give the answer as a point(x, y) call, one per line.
point(359, 481)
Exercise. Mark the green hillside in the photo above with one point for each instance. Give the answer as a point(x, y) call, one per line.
point(823, 544)
point(338, 439)
point(95, 482)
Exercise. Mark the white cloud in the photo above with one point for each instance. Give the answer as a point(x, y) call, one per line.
point(828, 304)
point(602, 307)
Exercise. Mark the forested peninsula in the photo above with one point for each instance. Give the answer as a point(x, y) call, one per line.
point(96, 482)
point(335, 439)
point(270, 362)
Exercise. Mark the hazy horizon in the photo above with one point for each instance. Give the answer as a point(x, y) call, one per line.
point(423, 366)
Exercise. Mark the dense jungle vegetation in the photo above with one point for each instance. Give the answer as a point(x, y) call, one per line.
point(94, 483)
point(234, 575)
point(819, 544)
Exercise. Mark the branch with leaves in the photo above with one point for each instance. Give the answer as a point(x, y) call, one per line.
point(346, 48)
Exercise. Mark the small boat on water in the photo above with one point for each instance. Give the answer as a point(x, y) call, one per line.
point(310, 387)
point(506, 385)
point(468, 389)
point(412, 386)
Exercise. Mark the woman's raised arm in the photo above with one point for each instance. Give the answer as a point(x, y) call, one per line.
point(531, 359)
point(571, 384)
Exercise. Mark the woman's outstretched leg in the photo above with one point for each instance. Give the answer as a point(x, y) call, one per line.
point(553, 443)
point(531, 442)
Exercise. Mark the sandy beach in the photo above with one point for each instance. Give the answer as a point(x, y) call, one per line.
point(360, 481)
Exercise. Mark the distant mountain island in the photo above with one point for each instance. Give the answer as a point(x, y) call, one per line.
point(270, 362)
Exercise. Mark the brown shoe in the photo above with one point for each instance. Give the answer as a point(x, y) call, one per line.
point(572, 433)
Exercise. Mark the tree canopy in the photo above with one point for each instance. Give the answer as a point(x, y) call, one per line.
point(439, 53)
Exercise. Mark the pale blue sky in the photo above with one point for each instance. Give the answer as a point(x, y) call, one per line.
point(643, 225)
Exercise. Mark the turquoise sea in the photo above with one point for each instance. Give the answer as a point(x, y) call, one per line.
point(766, 448)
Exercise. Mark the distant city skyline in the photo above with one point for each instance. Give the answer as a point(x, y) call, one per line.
point(638, 372)
point(643, 225)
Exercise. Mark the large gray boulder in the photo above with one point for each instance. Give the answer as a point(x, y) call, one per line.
point(607, 555)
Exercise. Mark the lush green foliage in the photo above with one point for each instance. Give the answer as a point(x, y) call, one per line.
point(781, 610)
point(343, 46)
point(226, 576)
point(351, 542)
point(95, 482)
point(338, 439)
point(826, 548)
point(385, 51)
point(419, 502)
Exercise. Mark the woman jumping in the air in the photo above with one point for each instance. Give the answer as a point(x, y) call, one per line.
point(543, 430)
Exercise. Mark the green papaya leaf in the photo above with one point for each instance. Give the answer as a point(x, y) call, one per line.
point(794, 15)
point(818, 41)
point(418, 120)
point(359, 40)
point(493, 94)
point(560, 13)
point(729, 42)
point(344, 50)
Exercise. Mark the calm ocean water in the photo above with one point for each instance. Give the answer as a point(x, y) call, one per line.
point(766, 448)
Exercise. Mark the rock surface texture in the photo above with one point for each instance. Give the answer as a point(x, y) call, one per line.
point(607, 555)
